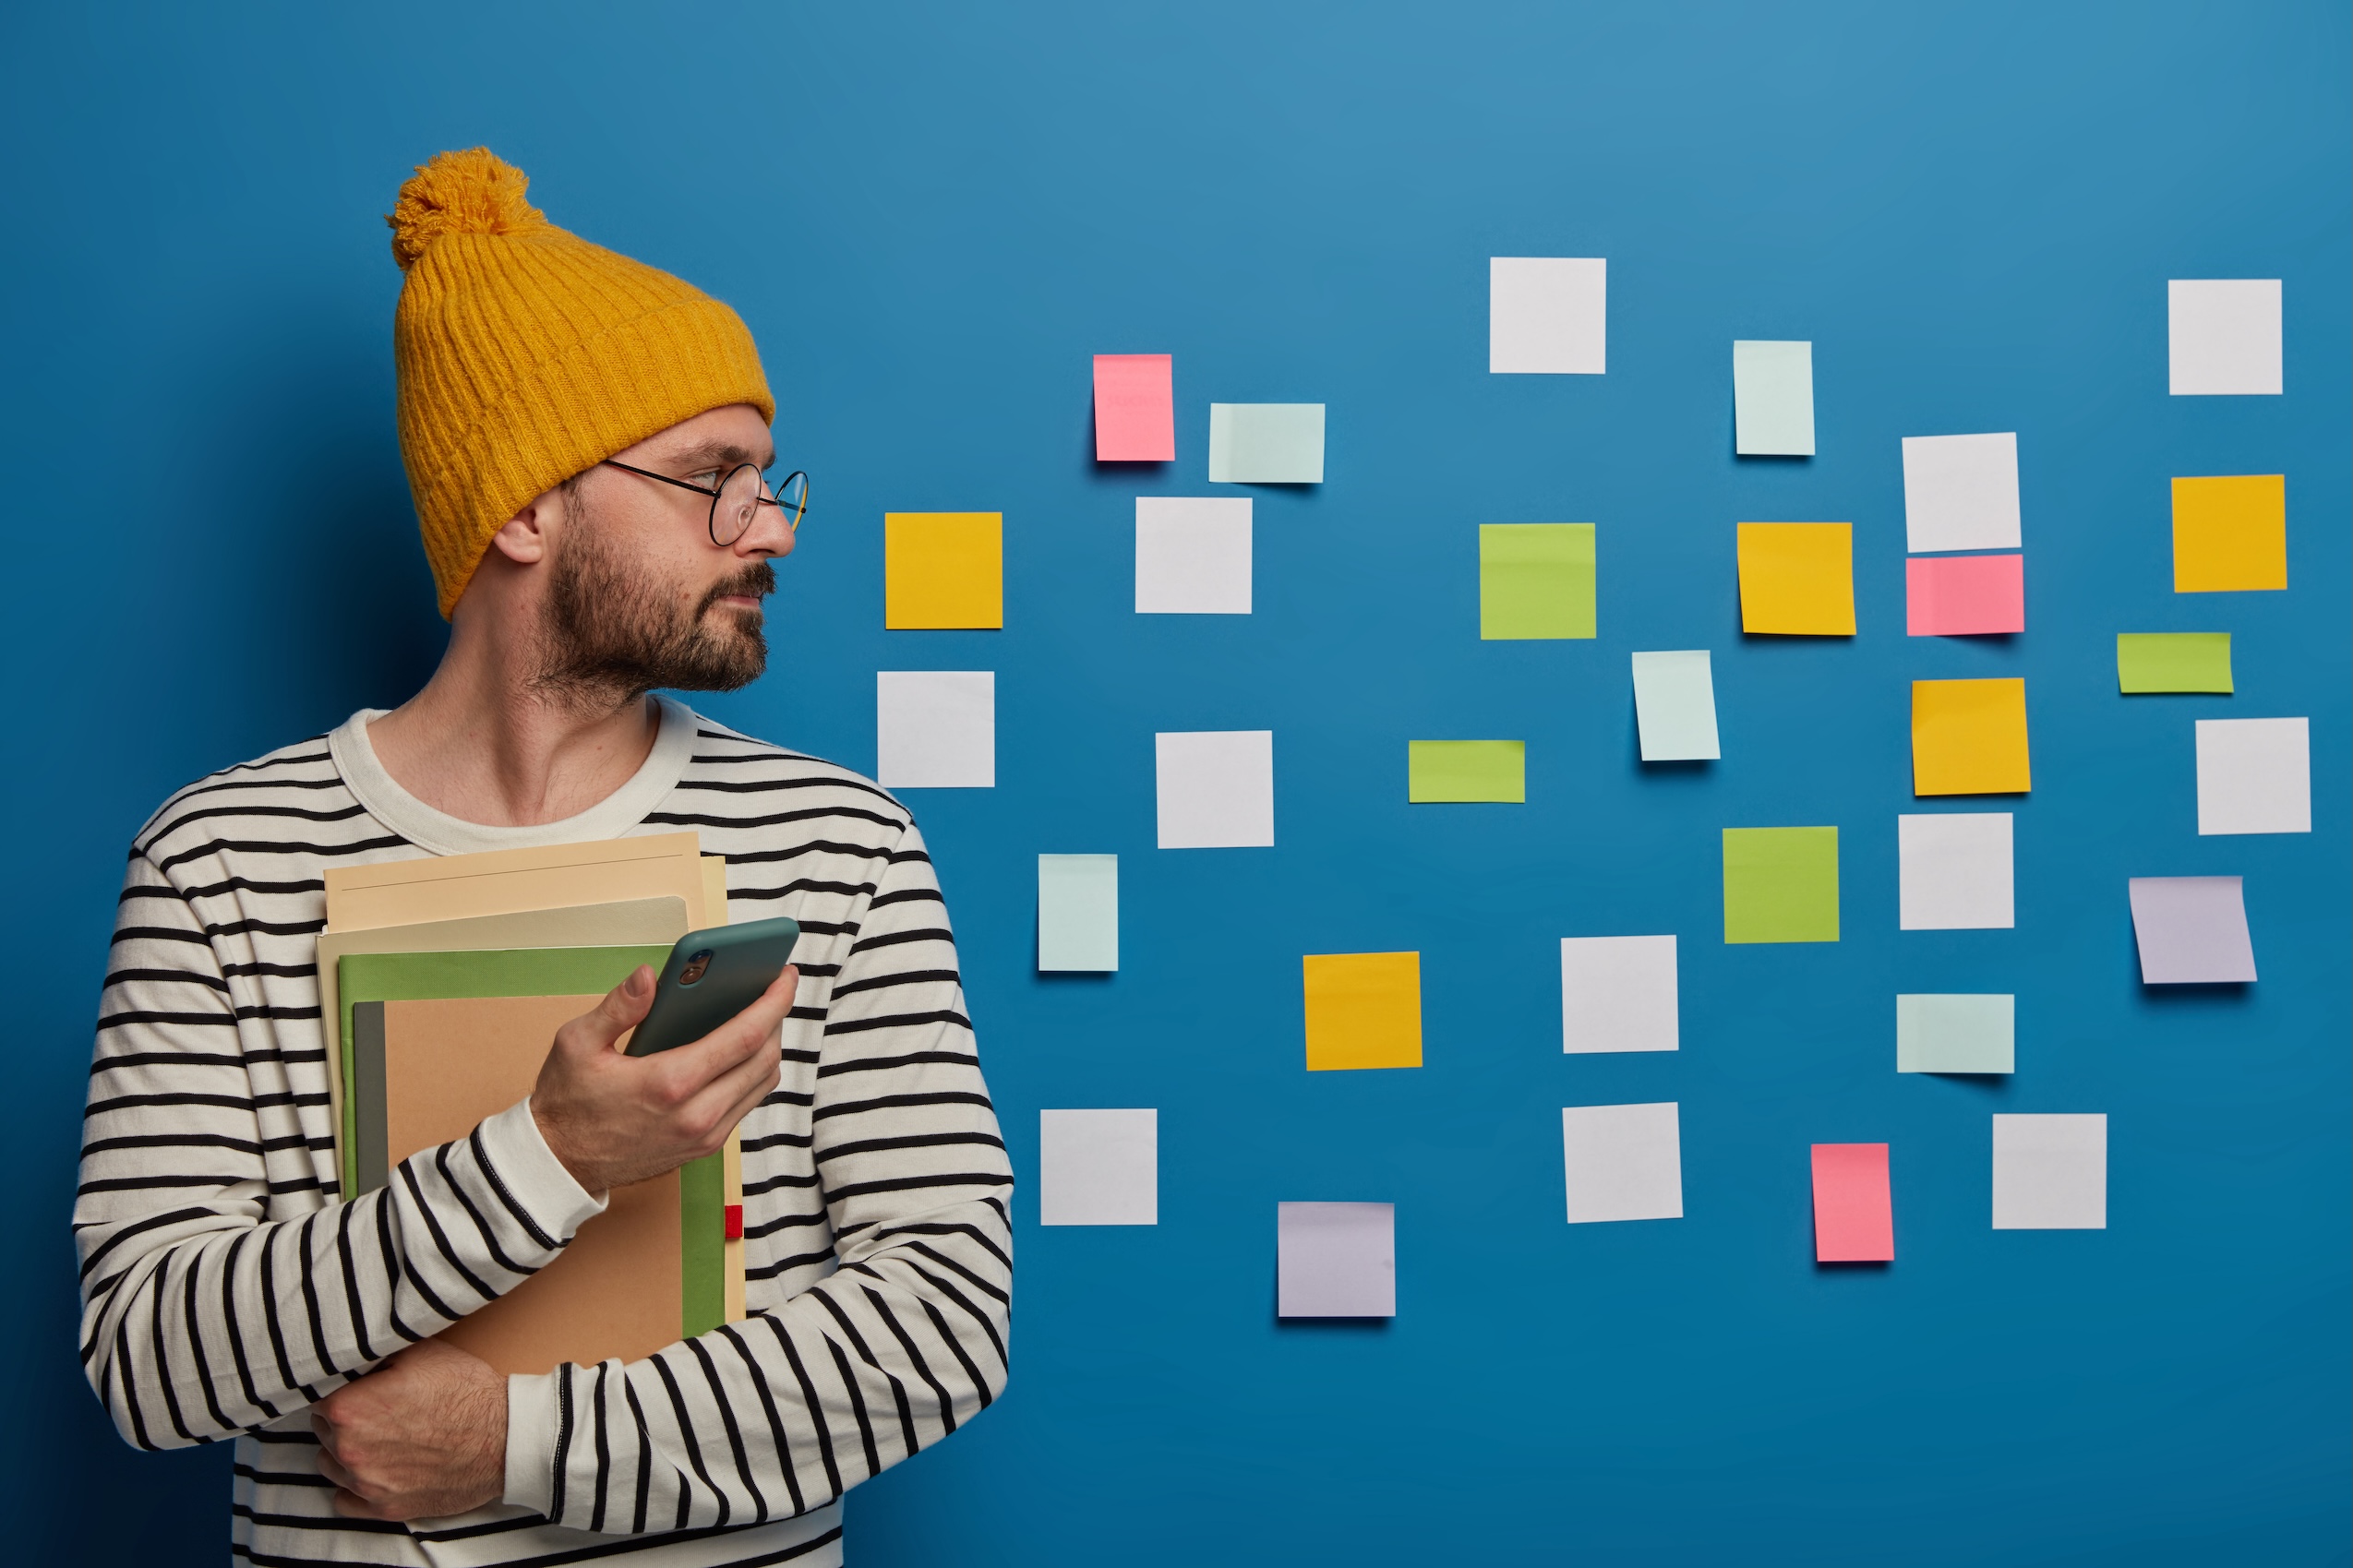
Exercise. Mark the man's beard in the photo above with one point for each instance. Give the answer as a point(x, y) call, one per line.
point(609, 636)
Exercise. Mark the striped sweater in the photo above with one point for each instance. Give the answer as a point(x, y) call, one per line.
point(225, 1287)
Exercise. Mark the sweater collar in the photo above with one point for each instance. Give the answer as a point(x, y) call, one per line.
point(616, 816)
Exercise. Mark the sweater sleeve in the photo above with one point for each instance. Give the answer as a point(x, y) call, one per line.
point(904, 1342)
point(201, 1317)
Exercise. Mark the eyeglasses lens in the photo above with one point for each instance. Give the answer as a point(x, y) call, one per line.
point(793, 496)
point(738, 503)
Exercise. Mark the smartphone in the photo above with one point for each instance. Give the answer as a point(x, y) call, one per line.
point(711, 977)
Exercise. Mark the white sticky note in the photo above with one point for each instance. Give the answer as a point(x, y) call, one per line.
point(1954, 870)
point(1191, 555)
point(1099, 1167)
point(1974, 1032)
point(1674, 706)
point(1078, 912)
point(2222, 336)
point(2192, 930)
point(1216, 788)
point(1622, 1162)
point(1617, 994)
point(1961, 492)
point(935, 729)
point(1335, 1260)
point(2254, 776)
point(2050, 1172)
point(1547, 315)
point(1267, 443)
point(1773, 399)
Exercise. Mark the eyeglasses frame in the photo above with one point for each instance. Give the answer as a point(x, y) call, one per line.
point(769, 497)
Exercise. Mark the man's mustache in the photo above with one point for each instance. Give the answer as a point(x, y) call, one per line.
point(755, 580)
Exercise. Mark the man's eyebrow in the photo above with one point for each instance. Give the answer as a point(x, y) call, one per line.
point(719, 454)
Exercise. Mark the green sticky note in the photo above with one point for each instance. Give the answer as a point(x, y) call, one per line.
point(1078, 912)
point(1773, 400)
point(1955, 1034)
point(1267, 443)
point(1781, 884)
point(1535, 580)
point(1466, 770)
point(2172, 661)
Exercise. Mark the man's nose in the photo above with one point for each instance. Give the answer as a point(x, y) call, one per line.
point(769, 537)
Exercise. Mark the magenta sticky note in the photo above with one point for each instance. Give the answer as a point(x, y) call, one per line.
point(1964, 595)
point(1134, 408)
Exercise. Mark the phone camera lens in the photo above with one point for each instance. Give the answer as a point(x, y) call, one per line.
point(695, 965)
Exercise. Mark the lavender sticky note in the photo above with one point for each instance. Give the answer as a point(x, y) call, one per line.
point(2193, 930)
point(1335, 1260)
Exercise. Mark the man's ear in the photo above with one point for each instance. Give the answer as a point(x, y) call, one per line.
point(522, 538)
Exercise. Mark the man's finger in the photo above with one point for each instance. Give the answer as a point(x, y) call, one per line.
point(734, 1067)
point(754, 1093)
point(731, 1097)
point(351, 1505)
point(759, 1020)
point(692, 1068)
point(335, 1471)
point(617, 1012)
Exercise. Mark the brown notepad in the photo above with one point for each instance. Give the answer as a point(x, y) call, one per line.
point(618, 1288)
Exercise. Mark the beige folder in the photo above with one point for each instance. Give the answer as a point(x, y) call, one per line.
point(502, 881)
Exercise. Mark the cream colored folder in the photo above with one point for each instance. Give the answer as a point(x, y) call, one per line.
point(504, 881)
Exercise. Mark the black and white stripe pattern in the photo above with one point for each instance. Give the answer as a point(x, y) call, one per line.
point(225, 1288)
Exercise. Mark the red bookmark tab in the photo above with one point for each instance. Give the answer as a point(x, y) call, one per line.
point(734, 1222)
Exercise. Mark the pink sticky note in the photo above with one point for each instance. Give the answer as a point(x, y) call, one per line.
point(1134, 408)
point(1854, 1219)
point(1964, 595)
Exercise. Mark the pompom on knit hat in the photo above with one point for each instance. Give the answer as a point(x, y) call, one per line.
point(525, 355)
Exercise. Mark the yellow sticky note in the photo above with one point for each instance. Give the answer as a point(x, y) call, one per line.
point(2231, 534)
point(1969, 737)
point(1364, 1010)
point(943, 571)
point(1797, 579)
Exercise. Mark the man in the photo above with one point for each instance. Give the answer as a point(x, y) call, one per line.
point(584, 437)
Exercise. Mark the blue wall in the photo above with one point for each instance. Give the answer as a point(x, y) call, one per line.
point(932, 215)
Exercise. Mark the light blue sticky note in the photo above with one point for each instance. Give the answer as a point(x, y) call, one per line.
point(1955, 1034)
point(1674, 706)
point(1267, 443)
point(1773, 400)
point(1078, 912)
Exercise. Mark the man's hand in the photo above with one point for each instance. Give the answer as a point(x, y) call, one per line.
point(421, 1437)
point(614, 1119)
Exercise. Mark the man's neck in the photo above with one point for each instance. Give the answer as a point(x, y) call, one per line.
point(481, 744)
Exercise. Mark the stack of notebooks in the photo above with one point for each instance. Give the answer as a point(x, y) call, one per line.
point(442, 984)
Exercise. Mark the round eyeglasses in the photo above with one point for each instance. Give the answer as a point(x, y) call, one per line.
point(737, 499)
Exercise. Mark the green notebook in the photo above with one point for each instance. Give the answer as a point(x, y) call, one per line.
point(369, 980)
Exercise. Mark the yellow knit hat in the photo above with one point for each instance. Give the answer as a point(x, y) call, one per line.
point(525, 355)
